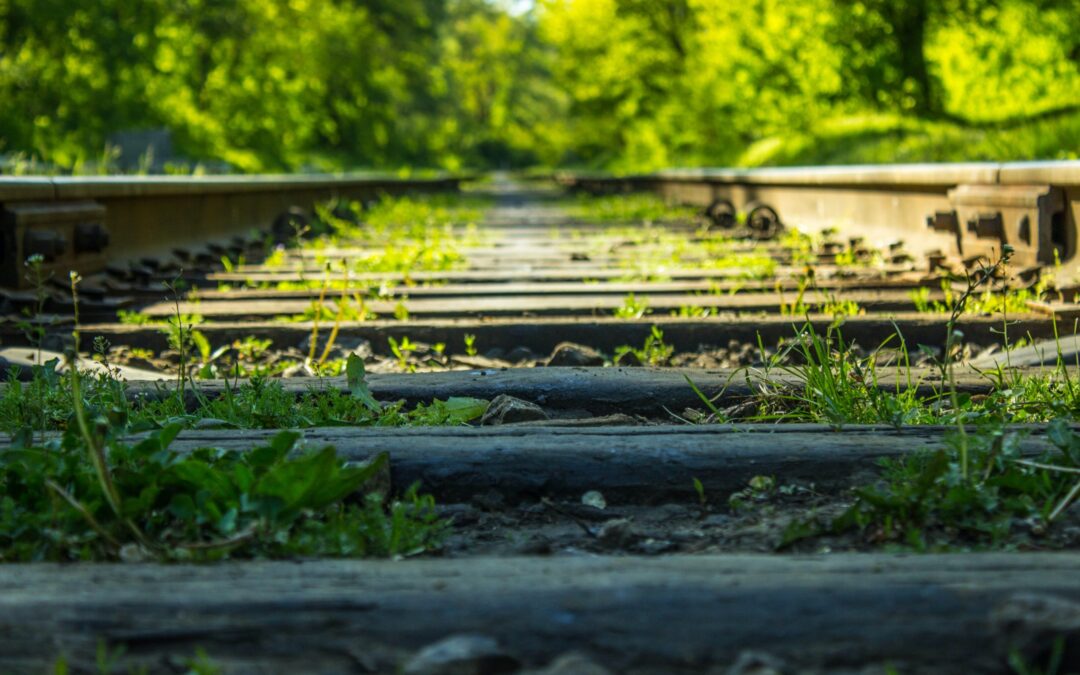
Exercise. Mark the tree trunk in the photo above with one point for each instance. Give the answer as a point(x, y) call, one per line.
point(910, 21)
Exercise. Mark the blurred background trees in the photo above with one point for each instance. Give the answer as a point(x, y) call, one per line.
point(262, 85)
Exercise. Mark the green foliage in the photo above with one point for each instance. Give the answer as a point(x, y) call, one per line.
point(45, 404)
point(275, 500)
point(355, 376)
point(643, 207)
point(414, 216)
point(758, 488)
point(96, 492)
point(654, 352)
point(131, 318)
point(929, 499)
point(399, 234)
point(621, 84)
point(834, 385)
point(709, 82)
point(264, 85)
point(632, 307)
point(402, 351)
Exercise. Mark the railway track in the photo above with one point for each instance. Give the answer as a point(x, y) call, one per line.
point(675, 460)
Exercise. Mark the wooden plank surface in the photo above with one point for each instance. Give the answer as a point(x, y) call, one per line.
point(629, 465)
point(542, 274)
point(576, 305)
point(840, 613)
point(599, 391)
point(556, 288)
point(542, 334)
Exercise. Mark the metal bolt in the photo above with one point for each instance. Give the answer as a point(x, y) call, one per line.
point(46, 243)
point(91, 238)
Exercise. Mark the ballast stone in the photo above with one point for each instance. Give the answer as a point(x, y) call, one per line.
point(462, 655)
point(572, 354)
point(506, 409)
point(571, 663)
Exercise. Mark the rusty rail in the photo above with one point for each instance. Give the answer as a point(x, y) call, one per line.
point(955, 210)
point(84, 223)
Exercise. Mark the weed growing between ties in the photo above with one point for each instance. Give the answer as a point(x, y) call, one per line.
point(989, 300)
point(396, 234)
point(976, 491)
point(632, 307)
point(654, 351)
point(831, 306)
point(640, 207)
point(650, 251)
point(93, 493)
point(407, 234)
point(819, 377)
point(107, 662)
point(46, 401)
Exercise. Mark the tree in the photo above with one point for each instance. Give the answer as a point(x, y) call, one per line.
point(884, 42)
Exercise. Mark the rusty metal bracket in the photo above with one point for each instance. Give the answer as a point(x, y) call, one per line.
point(1021, 216)
point(943, 221)
point(67, 236)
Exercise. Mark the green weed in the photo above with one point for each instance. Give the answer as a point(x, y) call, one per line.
point(632, 308)
point(975, 491)
point(832, 305)
point(835, 385)
point(149, 501)
point(636, 207)
point(402, 351)
point(470, 345)
point(654, 352)
point(45, 403)
point(30, 323)
point(692, 312)
point(131, 318)
point(95, 493)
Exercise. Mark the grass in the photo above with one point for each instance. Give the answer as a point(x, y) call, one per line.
point(392, 235)
point(834, 385)
point(45, 404)
point(144, 500)
point(891, 139)
point(632, 307)
point(107, 663)
point(991, 300)
point(831, 306)
point(400, 234)
point(976, 490)
point(648, 251)
point(93, 473)
point(95, 489)
point(654, 351)
point(637, 207)
point(96, 492)
point(820, 378)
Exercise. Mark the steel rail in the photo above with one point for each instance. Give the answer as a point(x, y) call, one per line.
point(82, 224)
point(953, 210)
